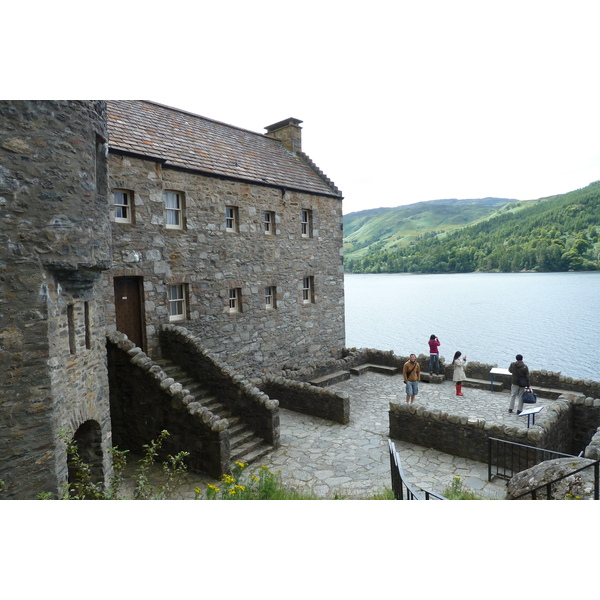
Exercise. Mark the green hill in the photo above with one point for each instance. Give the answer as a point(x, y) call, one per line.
point(558, 233)
point(368, 231)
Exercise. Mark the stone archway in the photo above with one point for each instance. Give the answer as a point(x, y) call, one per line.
point(88, 439)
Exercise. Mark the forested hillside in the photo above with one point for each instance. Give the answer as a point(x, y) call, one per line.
point(386, 228)
point(551, 234)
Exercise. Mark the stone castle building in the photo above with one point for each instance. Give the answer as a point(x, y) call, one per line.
point(129, 216)
point(236, 235)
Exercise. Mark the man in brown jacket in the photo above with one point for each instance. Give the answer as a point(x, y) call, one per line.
point(412, 375)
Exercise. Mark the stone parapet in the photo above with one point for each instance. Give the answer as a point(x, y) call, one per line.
point(243, 397)
point(468, 436)
point(145, 401)
point(308, 399)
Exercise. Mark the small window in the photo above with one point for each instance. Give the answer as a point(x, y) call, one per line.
point(123, 202)
point(308, 290)
point(174, 210)
point(71, 329)
point(270, 297)
point(269, 222)
point(235, 300)
point(231, 218)
point(177, 302)
point(88, 326)
point(306, 223)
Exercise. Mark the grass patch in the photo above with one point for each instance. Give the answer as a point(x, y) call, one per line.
point(457, 491)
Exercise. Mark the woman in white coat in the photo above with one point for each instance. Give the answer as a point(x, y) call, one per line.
point(459, 371)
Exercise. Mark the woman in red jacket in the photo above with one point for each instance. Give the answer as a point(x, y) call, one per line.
point(434, 354)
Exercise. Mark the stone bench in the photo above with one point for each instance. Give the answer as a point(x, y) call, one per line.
point(330, 379)
point(427, 378)
point(483, 384)
point(549, 393)
point(376, 368)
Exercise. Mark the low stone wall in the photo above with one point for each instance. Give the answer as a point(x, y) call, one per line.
point(541, 378)
point(574, 487)
point(308, 399)
point(144, 401)
point(468, 436)
point(593, 448)
point(240, 395)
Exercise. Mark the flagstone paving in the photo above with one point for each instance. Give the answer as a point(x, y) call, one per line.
point(352, 461)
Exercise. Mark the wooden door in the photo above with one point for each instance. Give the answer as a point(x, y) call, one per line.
point(129, 307)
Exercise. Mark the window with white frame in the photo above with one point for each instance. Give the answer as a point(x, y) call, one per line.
point(176, 294)
point(306, 222)
point(270, 297)
point(235, 300)
point(308, 290)
point(174, 210)
point(269, 222)
point(123, 203)
point(231, 218)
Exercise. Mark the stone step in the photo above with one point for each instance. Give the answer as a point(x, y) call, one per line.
point(427, 378)
point(250, 451)
point(244, 445)
point(384, 369)
point(255, 454)
point(330, 379)
point(241, 437)
point(549, 393)
point(482, 384)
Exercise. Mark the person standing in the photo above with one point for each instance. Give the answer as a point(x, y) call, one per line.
point(412, 375)
point(458, 376)
point(519, 381)
point(434, 354)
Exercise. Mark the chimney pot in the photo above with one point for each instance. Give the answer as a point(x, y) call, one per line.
point(288, 132)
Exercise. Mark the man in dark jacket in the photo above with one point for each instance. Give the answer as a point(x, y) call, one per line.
point(520, 380)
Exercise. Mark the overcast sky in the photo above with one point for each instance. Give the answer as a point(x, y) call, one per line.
point(400, 101)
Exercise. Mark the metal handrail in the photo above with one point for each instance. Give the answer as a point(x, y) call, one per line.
point(549, 484)
point(400, 486)
point(515, 457)
point(433, 496)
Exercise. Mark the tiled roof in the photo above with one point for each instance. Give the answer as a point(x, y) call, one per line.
point(189, 141)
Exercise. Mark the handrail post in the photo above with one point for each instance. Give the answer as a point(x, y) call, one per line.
point(596, 478)
point(489, 459)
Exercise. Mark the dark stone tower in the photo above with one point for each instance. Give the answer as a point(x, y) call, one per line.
point(54, 243)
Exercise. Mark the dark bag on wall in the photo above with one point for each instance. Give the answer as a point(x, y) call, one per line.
point(529, 397)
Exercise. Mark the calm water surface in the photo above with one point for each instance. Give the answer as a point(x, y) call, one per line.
point(552, 319)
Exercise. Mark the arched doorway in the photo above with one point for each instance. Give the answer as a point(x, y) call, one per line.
point(88, 441)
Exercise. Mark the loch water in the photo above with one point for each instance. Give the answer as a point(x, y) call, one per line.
point(552, 319)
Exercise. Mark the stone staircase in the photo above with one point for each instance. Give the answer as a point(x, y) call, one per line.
point(245, 446)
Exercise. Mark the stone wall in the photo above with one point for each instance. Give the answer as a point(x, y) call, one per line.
point(468, 436)
point(211, 261)
point(308, 399)
point(241, 396)
point(54, 242)
point(145, 401)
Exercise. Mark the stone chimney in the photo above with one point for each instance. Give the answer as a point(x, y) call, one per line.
point(288, 132)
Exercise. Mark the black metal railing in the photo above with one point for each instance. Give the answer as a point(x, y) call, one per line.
point(401, 488)
point(505, 458)
point(547, 487)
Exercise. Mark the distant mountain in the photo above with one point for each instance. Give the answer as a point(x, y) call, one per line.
point(375, 229)
point(558, 233)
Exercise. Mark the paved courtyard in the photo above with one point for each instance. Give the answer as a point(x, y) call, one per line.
point(352, 461)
